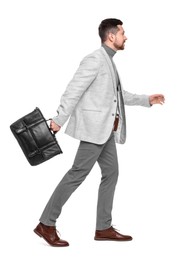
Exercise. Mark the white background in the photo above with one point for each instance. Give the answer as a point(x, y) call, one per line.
point(42, 43)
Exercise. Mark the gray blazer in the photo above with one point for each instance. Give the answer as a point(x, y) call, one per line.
point(91, 100)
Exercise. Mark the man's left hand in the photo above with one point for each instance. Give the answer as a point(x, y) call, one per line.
point(157, 99)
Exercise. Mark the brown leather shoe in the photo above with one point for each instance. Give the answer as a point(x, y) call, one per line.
point(111, 234)
point(50, 235)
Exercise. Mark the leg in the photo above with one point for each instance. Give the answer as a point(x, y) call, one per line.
point(86, 157)
point(108, 163)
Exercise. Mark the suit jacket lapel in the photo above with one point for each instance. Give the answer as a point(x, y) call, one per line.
point(111, 69)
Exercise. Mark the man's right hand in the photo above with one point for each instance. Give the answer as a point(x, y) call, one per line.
point(54, 127)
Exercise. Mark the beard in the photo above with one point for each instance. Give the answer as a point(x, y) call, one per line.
point(119, 47)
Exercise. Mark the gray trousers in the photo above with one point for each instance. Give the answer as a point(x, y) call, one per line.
point(86, 156)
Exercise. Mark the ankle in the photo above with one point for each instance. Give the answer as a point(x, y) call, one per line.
point(47, 226)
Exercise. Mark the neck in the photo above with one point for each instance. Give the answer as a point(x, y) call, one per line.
point(110, 45)
point(111, 52)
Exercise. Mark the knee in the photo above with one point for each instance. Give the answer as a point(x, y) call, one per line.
point(114, 172)
point(77, 174)
point(110, 177)
point(115, 175)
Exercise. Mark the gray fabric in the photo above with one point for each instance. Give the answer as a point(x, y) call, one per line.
point(120, 100)
point(86, 157)
point(90, 100)
point(111, 54)
point(109, 51)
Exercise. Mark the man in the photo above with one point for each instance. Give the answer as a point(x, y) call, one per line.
point(95, 100)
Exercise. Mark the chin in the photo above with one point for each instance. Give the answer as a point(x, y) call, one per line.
point(120, 47)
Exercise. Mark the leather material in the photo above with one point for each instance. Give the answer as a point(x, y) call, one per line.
point(50, 235)
point(116, 122)
point(111, 234)
point(35, 137)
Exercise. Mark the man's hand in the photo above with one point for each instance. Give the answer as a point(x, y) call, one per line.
point(156, 99)
point(54, 127)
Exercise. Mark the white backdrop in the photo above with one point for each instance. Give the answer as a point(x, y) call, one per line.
point(42, 43)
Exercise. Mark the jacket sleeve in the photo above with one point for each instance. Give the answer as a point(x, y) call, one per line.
point(135, 100)
point(84, 76)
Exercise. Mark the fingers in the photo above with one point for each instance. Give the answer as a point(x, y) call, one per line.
point(54, 127)
point(157, 99)
point(161, 100)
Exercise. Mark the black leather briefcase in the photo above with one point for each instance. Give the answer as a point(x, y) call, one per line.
point(35, 138)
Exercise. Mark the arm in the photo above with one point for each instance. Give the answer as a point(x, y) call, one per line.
point(135, 100)
point(142, 100)
point(82, 79)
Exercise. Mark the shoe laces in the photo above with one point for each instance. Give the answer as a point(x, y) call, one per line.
point(58, 232)
point(115, 229)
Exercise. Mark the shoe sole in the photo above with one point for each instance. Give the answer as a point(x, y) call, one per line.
point(37, 233)
point(116, 240)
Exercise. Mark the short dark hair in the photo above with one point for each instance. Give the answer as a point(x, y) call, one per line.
point(108, 25)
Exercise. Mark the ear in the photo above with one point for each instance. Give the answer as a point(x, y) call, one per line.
point(111, 37)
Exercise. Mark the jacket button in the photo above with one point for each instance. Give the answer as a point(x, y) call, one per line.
point(115, 100)
point(112, 114)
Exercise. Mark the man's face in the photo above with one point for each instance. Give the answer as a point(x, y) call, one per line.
point(119, 39)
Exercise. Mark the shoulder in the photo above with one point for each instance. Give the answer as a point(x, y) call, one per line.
point(95, 54)
point(94, 57)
